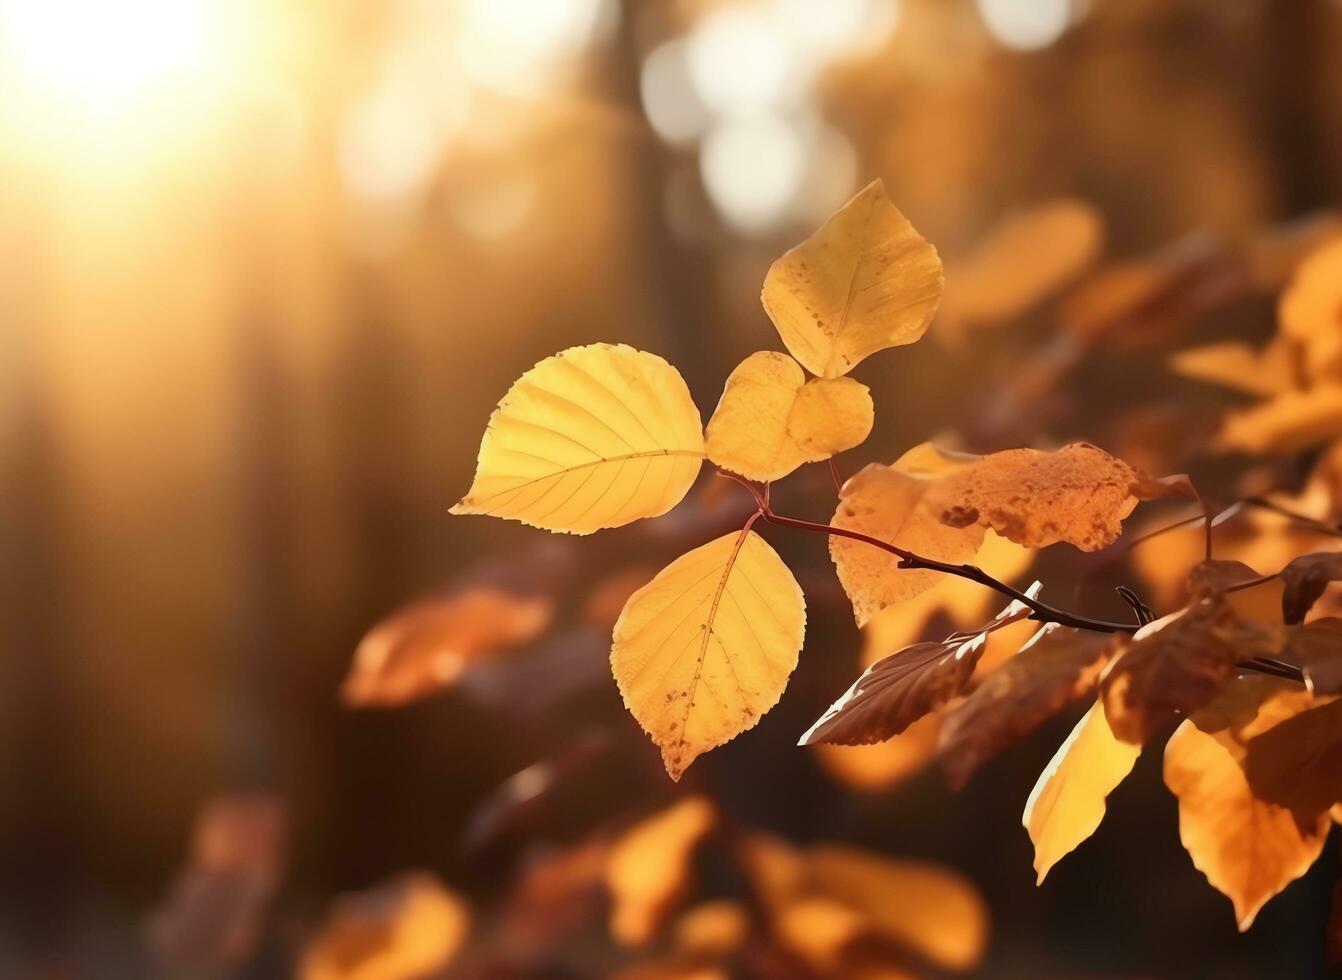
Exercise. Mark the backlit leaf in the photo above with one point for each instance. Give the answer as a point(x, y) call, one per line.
point(706, 647)
point(1059, 663)
point(648, 870)
point(771, 419)
point(1078, 494)
point(863, 282)
point(886, 503)
point(1068, 802)
point(1248, 849)
point(593, 437)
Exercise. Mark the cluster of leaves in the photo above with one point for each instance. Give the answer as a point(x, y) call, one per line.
point(603, 435)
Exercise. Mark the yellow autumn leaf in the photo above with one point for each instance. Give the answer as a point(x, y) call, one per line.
point(1248, 849)
point(706, 647)
point(412, 926)
point(1235, 365)
point(920, 906)
point(593, 437)
point(771, 419)
point(648, 871)
point(1307, 311)
point(1022, 261)
point(1067, 803)
point(863, 282)
point(1286, 423)
point(886, 503)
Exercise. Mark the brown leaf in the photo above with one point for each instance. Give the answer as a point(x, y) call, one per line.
point(895, 692)
point(1058, 664)
point(556, 895)
point(1175, 666)
point(405, 929)
point(1158, 488)
point(608, 597)
point(1078, 494)
point(1208, 578)
point(648, 871)
point(1305, 578)
point(1298, 763)
point(212, 916)
point(1316, 648)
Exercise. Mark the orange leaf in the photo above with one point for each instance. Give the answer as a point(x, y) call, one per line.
point(886, 503)
point(1078, 494)
point(1248, 849)
point(424, 647)
point(408, 928)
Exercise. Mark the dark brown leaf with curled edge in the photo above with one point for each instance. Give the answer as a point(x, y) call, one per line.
point(1298, 763)
point(899, 689)
point(1059, 663)
point(1078, 494)
point(1305, 578)
point(1316, 648)
point(212, 916)
point(1171, 671)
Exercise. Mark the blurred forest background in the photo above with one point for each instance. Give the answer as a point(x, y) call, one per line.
point(265, 268)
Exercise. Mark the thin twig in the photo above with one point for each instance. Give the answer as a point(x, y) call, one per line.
point(1323, 527)
point(1040, 611)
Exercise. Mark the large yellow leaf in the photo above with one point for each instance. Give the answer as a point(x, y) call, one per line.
point(886, 503)
point(706, 647)
point(592, 437)
point(771, 419)
point(863, 282)
point(1248, 849)
point(1067, 803)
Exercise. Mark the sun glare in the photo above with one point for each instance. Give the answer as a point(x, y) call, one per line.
point(98, 58)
